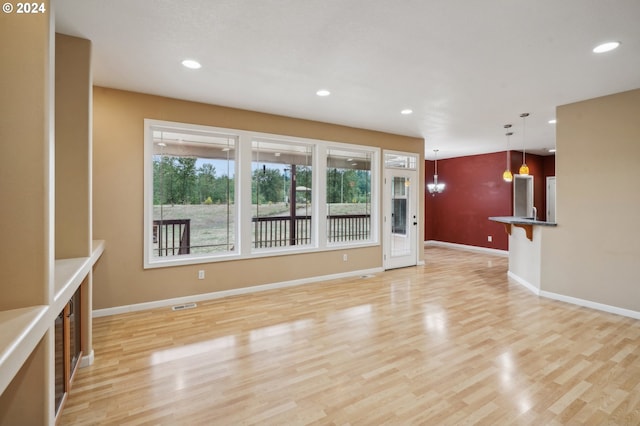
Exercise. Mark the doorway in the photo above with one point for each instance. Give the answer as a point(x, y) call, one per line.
point(551, 199)
point(400, 210)
point(523, 196)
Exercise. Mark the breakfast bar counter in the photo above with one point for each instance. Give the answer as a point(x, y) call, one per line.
point(525, 249)
point(521, 222)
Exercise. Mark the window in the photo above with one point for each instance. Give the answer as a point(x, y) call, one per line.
point(348, 195)
point(215, 194)
point(399, 199)
point(193, 209)
point(281, 182)
point(400, 161)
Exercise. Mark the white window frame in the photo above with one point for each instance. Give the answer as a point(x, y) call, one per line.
point(242, 199)
point(314, 243)
point(151, 261)
point(375, 193)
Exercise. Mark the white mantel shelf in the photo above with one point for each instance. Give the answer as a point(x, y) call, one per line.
point(21, 329)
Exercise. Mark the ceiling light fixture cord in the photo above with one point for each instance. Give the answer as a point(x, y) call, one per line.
point(436, 161)
point(524, 169)
point(508, 126)
point(524, 154)
point(507, 176)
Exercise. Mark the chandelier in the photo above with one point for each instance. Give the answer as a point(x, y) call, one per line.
point(435, 187)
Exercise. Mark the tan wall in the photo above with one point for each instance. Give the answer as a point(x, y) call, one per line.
point(118, 201)
point(25, 161)
point(593, 254)
point(73, 147)
point(26, 208)
point(25, 400)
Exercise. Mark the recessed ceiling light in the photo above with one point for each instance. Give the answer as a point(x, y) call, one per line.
point(553, 121)
point(190, 63)
point(406, 111)
point(323, 92)
point(606, 47)
point(552, 150)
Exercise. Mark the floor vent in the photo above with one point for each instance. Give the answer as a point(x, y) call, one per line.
point(183, 307)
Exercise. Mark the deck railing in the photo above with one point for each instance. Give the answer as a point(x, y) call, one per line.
point(348, 227)
point(276, 231)
point(173, 236)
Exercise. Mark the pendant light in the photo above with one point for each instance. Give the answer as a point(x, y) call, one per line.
point(524, 169)
point(435, 187)
point(507, 175)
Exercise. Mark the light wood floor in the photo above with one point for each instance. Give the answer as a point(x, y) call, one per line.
point(448, 343)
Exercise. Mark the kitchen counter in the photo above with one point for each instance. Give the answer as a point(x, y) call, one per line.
point(521, 222)
point(525, 250)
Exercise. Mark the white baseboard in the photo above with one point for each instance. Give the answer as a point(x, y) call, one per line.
point(465, 247)
point(574, 300)
point(526, 284)
point(225, 293)
point(593, 305)
point(87, 360)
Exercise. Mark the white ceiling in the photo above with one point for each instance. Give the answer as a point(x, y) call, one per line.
point(465, 67)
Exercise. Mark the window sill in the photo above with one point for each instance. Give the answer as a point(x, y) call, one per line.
point(259, 253)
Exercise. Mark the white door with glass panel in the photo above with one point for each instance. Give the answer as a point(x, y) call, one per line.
point(400, 210)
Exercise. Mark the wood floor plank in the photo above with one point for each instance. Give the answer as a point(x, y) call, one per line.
point(450, 342)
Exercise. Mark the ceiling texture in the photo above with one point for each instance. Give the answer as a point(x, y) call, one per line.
point(465, 67)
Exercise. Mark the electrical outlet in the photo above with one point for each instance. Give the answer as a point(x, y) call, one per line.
point(345, 257)
point(201, 274)
point(489, 238)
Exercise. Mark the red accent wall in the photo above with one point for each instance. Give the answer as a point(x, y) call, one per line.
point(549, 165)
point(474, 192)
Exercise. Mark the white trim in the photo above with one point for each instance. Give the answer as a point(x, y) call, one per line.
point(225, 293)
point(413, 209)
point(87, 360)
point(401, 153)
point(589, 304)
point(526, 284)
point(574, 300)
point(243, 164)
point(465, 247)
point(535, 290)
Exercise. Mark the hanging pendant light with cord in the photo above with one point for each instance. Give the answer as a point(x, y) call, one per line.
point(507, 175)
point(435, 187)
point(524, 169)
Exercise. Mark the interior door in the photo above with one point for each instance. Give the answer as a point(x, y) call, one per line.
point(551, 199)
point(400, 218)
point(523, 196)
